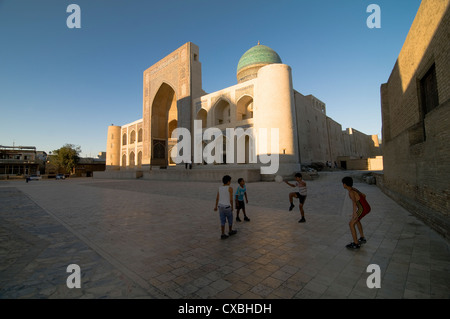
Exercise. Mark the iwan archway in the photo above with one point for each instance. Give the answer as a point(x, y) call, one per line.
point(164, 119)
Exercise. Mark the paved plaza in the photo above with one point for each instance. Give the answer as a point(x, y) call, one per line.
point(161, 239)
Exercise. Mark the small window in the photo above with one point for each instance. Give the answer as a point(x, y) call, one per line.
point(132, 137)
point(428, 90)
point(195, 57)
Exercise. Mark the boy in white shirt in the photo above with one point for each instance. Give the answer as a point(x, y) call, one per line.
point(224, 200)
point(300, 194)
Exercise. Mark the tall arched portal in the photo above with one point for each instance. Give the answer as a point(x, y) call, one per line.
point(164, 111)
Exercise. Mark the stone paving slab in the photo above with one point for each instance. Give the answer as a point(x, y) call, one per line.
point(35, 250)
point(161, 239)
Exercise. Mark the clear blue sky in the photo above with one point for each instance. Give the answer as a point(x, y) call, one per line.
point(61, 85)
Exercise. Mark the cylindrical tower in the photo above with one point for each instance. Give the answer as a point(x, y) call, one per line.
point(113, 148)
point(274, 108)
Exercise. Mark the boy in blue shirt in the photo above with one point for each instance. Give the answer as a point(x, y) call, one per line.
point(241, 192)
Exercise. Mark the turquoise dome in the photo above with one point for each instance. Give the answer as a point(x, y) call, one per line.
point(259, 54)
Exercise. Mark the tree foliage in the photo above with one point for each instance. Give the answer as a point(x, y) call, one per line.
point(67, 157)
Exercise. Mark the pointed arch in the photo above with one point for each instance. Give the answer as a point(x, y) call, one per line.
point(244, 108)
point(132, 137)
point(202, 115)
point(164, 111)
point(124, 160)
point(222, 112)
point(139, 159)
point(132, 162)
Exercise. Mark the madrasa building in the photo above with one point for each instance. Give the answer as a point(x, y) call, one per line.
point(267, 128)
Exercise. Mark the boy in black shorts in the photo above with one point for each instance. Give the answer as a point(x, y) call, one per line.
point(241, 192)
point(300, 194)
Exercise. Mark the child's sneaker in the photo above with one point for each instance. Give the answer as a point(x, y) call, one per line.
point(238, 219)
point(246, 219)
point(303, 220)
point(362, 240)
point(291, 207)
point(224, 236)
point(353, 246)
point(232, 232)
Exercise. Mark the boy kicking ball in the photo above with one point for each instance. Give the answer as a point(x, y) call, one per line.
point(300, 194)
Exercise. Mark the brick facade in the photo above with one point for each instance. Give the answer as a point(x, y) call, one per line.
point(416, 132)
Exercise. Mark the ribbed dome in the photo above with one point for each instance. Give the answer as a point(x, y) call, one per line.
point(254, 59)
point(259, 54)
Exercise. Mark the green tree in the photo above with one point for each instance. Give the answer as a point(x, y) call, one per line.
point(67, 157)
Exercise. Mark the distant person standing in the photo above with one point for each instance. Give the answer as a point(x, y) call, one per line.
point(188, 164)
point(360, 209)
point(301, 194)
point(224, 201)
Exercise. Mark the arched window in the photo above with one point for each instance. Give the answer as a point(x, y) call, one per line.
point(159, 150)
point(140, 135)
point(124, 160)
point(172, 126)
point(139, 159)
point(132, 137)
point(124, 139)
point(132, 159)
point(202, 115)
point(244, 108)
point(222, 112)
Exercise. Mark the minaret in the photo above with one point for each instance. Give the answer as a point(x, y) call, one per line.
point(274, 108)
point(113, 147)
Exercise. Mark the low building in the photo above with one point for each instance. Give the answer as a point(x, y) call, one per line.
point(19, 161)
point(87, 166)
